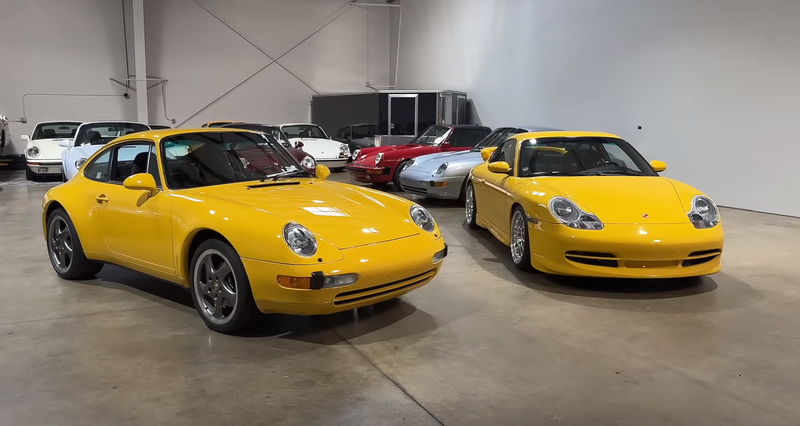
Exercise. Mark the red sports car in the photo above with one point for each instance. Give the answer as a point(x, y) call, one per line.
point(382, 164)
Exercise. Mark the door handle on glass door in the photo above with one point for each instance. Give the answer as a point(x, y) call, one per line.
point(101, 198)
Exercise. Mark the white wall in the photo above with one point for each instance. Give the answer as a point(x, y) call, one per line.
point(204, 59)
point(75, 46)
point(713, 83)
point(56, 46)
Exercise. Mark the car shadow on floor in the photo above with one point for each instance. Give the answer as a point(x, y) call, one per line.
point(319, 329)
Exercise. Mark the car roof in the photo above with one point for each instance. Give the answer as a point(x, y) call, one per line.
point(563, 134)
point(159, 134)
point(298, 124)
point(535, 128)
point(245, 123)
point(60, 121)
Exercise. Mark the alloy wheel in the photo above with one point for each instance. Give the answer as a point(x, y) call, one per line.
point(469, 204)
point(518, 237)
point(61, 247)
point(215, 287)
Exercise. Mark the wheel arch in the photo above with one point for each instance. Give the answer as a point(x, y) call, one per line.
point(49, 208)
point(192, 242)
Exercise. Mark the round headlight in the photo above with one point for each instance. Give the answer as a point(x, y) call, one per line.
point(704, 212)
point(441, 169)
point(344, 149)
point(299, 239)
point(422, 218)
point(355, 153)
point(79, 162)
point(308, 163)
point(378, 158)
point(33, 152)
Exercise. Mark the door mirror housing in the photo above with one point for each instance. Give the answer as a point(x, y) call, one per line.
point(445, 145)
point(487, 152)
point(322, 171)
point(499, 167)
point(658, 166)
point(141, 182)
point(63, 143)
point(25, 138)
point(298, 144)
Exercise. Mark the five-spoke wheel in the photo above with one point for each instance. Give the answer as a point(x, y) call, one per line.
point(221, 290)
point(65, 250)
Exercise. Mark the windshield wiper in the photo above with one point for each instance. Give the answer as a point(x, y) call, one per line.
point(285, 173)
point(554, 173)
point(615, 172)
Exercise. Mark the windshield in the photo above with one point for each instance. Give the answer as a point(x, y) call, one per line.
point(61, 130)
point(213, 158)
point(103, 133)
point(496, 138)
point(304, 131)
point(589, 156)
point(364, 131)
point(434, 135)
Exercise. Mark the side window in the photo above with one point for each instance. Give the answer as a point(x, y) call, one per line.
point(340, 133)
point(134, 158)
point(99, 167)
point(467, 137)
point(506, 152)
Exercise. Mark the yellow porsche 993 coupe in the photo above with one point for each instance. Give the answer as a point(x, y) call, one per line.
point(588, 204)
point(231, 215)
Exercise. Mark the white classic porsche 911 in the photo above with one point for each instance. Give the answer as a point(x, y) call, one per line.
point(90, 137)
point(313, 140)
point(44, 146)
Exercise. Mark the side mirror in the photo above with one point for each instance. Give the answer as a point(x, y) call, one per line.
point(298, 144)
point(63, 143)
point(487, 152)
point(445, 145)
point(25, 138)
point(141, 182)
point(658, 166)
point(322, 171)
point(499, 167)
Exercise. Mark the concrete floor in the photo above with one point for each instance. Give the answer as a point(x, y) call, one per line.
point(483, 344)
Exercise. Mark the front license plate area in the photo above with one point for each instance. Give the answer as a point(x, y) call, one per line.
point(42, 170)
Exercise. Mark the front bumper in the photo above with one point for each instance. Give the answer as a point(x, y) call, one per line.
point(428, 185)
point(48, 167)
point(627, 251)
point(333, 163)
point(383, 274)
point(368, 174)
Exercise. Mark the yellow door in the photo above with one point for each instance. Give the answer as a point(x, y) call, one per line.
point(137, 227)
point(495, 190)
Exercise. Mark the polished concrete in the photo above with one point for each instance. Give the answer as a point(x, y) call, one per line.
point(483, 344)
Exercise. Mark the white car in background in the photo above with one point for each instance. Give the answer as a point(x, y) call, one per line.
point(90, 137)
point(44, 146)
point(313, 140)
point(3, 132)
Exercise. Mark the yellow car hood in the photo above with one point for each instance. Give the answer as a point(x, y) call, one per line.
point(622, 199)
point(343, 216)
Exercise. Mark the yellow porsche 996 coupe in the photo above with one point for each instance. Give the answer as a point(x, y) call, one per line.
point(231, 215)
point(588, 204)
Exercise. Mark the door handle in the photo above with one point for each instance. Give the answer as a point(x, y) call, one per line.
point(101, 198)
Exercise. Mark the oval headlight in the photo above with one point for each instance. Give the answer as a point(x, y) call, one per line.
point(422, 218)
point(378, 158)
point(355, 153)
point(409, 163)
point(441, 169)
point(704, 214)
point(79, 162)
point(308, 163)
point(33, 151)
point(299, 239)
point(571, 215)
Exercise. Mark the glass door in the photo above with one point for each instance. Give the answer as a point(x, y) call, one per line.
point(403, 115)
point(460, 110)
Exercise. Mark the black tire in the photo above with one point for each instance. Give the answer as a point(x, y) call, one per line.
point(522, 262)
point(61, 236)
point(396, 179)
point(471, 207)
point(63, 177)
point(462, 195)
point(337, 169)
point(215, 289)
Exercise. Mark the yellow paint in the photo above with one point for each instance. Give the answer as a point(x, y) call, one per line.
point(358, 230)
point(647, 230)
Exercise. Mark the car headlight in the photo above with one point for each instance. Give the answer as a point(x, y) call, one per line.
point(378, 158)
point(409, 163)
point(571, 215)
point(422, 218)
point(33, 152)
point(441, 169)
point(344, 150)
point(79, 162)
point(355, 153)
point(704, 213)
point(299, 239)
point(308, 163)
